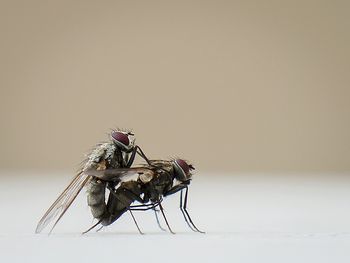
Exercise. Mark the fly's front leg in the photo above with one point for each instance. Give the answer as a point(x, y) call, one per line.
point(174, 190)
point(183, 204)
point(185, 209)
point(141, 153)
point(133, 155)
point(184, 215)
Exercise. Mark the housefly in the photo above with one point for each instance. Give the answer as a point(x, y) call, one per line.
point(157, 179)
point(118, 152)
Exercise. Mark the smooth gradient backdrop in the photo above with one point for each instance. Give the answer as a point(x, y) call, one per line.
point(229, 85)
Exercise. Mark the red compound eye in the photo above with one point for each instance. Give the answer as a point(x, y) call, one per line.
point(121, 137)
point(184, 166)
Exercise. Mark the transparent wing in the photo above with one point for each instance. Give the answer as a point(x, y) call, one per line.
point(63, 202)
point(118, 174)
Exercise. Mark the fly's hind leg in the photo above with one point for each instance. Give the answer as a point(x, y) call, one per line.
point(92, 227)
point(131, 197)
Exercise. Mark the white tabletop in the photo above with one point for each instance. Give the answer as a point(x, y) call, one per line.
point(247, 218)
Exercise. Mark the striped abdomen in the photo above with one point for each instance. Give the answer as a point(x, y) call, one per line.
point(96, 190)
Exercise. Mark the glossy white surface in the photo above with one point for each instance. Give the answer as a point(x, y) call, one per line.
point(248, 218)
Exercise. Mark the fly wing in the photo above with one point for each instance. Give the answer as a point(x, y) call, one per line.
point(63, 202)
point(120, 174)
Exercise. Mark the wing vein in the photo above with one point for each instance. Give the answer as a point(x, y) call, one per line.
point(63, 202)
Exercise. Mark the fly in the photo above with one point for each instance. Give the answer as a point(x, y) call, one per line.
point(118, 152)
point(154, 181)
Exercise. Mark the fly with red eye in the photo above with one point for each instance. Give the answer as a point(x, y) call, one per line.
point(158, 179)
point(183, 170)
point(118, 152)
point(126, 142)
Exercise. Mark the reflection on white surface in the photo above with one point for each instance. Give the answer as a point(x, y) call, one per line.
point(248, 218)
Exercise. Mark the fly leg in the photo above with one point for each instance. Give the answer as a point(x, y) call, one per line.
point(86, 231)
point(99, 229)
point(188, 215)
point(138, 228)
point(184, 215)
point(156, 215)
point(132, 196)
point(147, 207)
point(143, 207)
point(143, 155)
point(183, 205)
point(166, 221)
point(175, 189)
point(133, 155)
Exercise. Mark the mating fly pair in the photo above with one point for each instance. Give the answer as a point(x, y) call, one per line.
point(108, 168)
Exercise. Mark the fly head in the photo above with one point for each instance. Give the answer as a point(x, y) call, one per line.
point(182, 170)
point(124, 140)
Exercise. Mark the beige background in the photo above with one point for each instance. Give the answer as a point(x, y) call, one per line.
point(229, 85)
